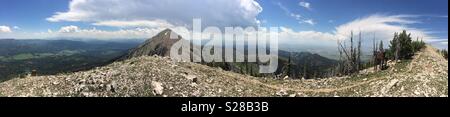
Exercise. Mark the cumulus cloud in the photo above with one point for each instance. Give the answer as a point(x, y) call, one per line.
point(5, 29)
point(289, 36)
point(148, 13)
point(139, 23)
point(382, 26)
point(306, 5)
point(68, 29)
point(75, 32)
point(93, 33)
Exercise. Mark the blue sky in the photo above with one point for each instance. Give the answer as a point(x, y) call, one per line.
point(342, 11)
point(298, 18)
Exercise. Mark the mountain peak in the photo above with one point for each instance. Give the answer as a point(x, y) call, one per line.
point(159, 44)
point(166, 30)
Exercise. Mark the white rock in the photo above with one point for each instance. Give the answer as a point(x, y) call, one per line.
point(391, 84)
point(282, 92)
point(292, 95)
point(111, 87)
point(157, 88)
point(193, 85)
point(191, 77)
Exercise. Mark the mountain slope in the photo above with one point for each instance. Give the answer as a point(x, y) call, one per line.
point(426, 75)
point(141, 76)
point(160, 45)
point(157, 76)
point(314, 65)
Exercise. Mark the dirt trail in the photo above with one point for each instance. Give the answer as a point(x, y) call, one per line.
point(318, 90)
point(328, 90)
point(427, 52)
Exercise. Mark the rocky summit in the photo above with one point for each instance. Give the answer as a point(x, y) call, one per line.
point(426, 75)
point(159, 44)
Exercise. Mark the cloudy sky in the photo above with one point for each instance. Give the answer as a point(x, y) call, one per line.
point(307, 22)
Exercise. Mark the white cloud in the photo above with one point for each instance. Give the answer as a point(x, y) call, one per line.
point(75, 32)
point(382, 26)
point(298, 17)
point(69, 29)
point(289, 36)
point(439, 43)
point(284, 8)
point(124, 13)
point(308, 21)
point(5, 29)
point(93, 33)
point(306, 5)
point(138, 23)
point(16, 27)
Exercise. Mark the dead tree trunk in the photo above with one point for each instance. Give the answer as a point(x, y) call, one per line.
point(358, 60)
point(351, 62)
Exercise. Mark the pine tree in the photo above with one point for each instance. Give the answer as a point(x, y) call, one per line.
point(417, 45)
point(401, 46)
point(405, 48)
point(444, 53)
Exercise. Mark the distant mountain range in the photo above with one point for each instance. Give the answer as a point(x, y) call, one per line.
point(310, 65)
point(138, 74)
point(20, 57)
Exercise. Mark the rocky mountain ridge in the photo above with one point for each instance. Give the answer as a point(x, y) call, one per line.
point(426, 75)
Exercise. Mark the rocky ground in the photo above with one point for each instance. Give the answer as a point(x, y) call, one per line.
point(426, 75)
point(423, 76)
